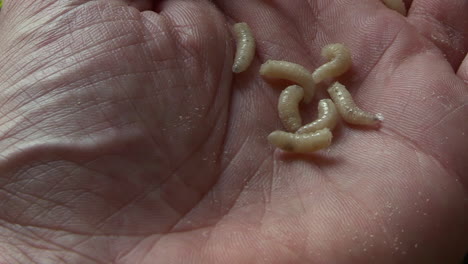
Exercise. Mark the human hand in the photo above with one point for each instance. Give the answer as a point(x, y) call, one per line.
point(126, 138)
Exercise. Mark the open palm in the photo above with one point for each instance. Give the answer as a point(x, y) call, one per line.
point(126, 138)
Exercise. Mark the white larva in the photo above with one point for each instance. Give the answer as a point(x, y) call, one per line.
point(292, 72)
point(347, 108)
point(339, 61)
point(245, 49)
point(327, 118)
point(397, 5)
point(288, 107)
point(301, 143)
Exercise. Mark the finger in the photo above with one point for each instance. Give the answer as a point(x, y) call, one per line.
point(141, 5)
point(463, 70)
point(444, 23)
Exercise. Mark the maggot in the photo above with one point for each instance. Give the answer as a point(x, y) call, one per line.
point(288, 107)
point(301, 143)
point(327, 118)
point(245, 47)
point(292, 72)
point(339, 61)
point(347, 107)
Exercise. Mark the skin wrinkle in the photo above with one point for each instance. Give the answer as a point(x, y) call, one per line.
point(118, 209)
point(164, 181)
point(178, 41)
point(222, 171)
point(383, 53)
point(57, 73)
point(37, 51)
point(464, 104)
point(10, 135)
point(76, 167)
point(297, 253)
point(71, 134)
point(90, 238)
point(410, 143)
point(47, 118)
point(25, 254)
point(177, 34)
point(93, 234)
point(211, 104)
point(75, 197)
point(403, 111)
point(83, 88)
point(100, 222)
point(35, 237)
point(172, 230)
point(245, 183)
point(28, 206)
point(139, 117)
point(29, 180)
point(31, 124)
point(70, 32)
point(128, 252)
point(416, 145)
point(301, 40)
point(25, 36)
point(33, 202)
point(241, 190)
point(346, 195)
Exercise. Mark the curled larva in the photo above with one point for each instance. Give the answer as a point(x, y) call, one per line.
point(397, 5)
point(339, 62)
point(292, 72)
point(301, 143)
point(288, 107)
point(348, 109)
point(327, 118)
point(245, 49)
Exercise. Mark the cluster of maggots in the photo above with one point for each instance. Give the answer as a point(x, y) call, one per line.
point(317, 134)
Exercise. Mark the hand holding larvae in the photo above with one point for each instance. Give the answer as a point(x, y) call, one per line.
point(315, 135)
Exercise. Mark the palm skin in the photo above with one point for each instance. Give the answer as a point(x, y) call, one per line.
point(127, 139)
